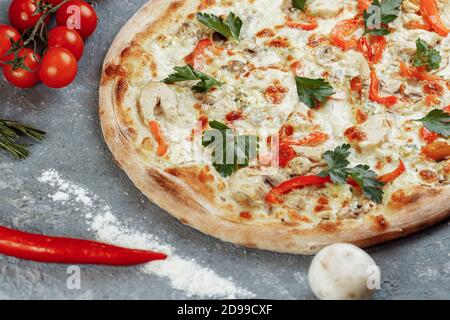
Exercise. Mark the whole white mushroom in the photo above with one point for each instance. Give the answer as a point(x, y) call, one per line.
point(342, 272)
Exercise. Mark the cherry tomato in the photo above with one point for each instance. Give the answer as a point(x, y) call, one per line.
point(71, 40)
point(21, 77)
point(58, 68)
point(78, 15)
point(6, 34)
point(22, 14)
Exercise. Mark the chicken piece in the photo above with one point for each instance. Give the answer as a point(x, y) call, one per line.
point(158, 99)
point(249, 188)
point(325, 8)
point(376, 131)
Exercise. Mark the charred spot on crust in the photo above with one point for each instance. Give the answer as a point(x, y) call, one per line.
point(197, 178)
point(381, 223)
point(175, 5)
point(204, 4)
point(114, 70)
point(121, 89)
point(329, 226)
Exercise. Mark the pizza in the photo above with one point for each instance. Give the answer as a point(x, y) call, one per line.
point(285, 125)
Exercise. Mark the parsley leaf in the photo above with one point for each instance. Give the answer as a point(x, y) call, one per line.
point(230, 152)
point(368, 181)
point(426, 55)
point(337, 164)
point(339, 173)
point(231, 28)
point(313, 91)
point(188, 73)
point(437, 121)
point(299, 4)
point(380, 14)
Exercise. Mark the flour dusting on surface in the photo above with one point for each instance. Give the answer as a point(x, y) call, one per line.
point(184, 274)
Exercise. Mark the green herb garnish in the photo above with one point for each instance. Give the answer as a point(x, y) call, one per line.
point(339, 173)
point(230, 152)
point(380, 14)
point(437, 121)
point(426, 56)
point(187, 73)
point(230, 28)
point(313, 91)
point(299, 4)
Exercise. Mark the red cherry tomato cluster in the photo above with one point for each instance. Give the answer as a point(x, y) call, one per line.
point(64, 44)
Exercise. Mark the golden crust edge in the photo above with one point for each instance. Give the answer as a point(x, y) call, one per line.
point(180, 201)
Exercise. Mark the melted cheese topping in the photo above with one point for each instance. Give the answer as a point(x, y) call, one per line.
point(257, 62)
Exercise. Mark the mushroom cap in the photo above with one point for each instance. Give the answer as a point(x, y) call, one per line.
point(342, 272)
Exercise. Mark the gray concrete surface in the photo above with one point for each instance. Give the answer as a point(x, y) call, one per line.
point(417, 267)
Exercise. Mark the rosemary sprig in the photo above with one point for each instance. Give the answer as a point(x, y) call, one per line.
point(11, 131)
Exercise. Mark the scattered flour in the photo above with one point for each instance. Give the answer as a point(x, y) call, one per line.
point(184, 274)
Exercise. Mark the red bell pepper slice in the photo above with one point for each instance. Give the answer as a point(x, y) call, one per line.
point(447, 109)
point(198, 52)
point(285, 155)
point(430, 13)
point(372, 48)
point(273, 197)
point(428, 136)
point(389, 177)
point(314, 139)
point(419, 73)
point(156, 131)
point(41, 248)
point(438, 150)
point(340, 35)
point(311, 23)
point(363, 5)
point(374, 95)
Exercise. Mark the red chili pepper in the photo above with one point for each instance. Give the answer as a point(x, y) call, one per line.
point(374, 95)
point(71, 251)
point(430, 13)
point(273, 196)
point(199, 51)
point(389, 177)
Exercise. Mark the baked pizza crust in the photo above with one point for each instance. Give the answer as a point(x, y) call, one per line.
point(426, 206)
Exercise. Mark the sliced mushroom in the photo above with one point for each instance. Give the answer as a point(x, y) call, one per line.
point(235, 66)
point(327, 53)
point(158, 100)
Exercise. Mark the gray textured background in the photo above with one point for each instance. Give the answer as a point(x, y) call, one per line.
point(416, 267)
